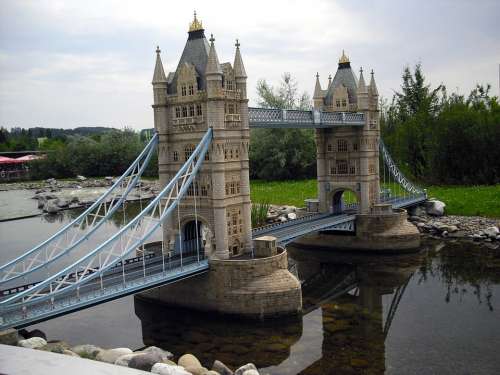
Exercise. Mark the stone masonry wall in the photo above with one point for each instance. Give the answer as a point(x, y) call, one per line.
point(254, 287)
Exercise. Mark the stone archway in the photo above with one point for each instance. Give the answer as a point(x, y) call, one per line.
point(344, 200)
point(195, 237)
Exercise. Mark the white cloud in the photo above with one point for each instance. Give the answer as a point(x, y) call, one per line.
point(68, 63)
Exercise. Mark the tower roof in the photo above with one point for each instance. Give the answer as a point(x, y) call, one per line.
point(213, 65)
point(159, 73)
point(195, 25)
point(344, 76)
point(318, 92)
point(361, 84)
point(239, 68)
point(373, 86)
point(196, 53)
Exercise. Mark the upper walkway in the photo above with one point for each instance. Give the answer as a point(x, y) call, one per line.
point(286, 118)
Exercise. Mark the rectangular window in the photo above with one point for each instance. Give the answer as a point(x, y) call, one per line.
point(184, 111)
point(176, 156)
point(229, 85)
point(237, 151)
point(355, 146)
point(337, 102)
point(198, 110)
point(177, 112)
point(329, 147)
point(341, 145)
point(183, 90)
point(191, 110)
point(342, 166)
point(352, 169)
point(344, 102)
point(204, 191)
point(230, 108)
point(191, 90)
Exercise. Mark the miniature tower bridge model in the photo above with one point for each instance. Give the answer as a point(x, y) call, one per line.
point(192, 244)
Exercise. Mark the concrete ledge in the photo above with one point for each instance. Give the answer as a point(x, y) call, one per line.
point(15, 360)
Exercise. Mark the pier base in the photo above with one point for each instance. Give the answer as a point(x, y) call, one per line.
point(382, 230)
point(254, 288)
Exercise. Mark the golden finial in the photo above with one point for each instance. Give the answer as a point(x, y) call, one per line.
point(343, 59)
point(195, 25)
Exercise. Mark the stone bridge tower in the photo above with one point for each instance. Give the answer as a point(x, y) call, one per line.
point(348, 157)
point(203, 93)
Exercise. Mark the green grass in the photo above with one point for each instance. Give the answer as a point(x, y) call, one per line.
point(460, 200)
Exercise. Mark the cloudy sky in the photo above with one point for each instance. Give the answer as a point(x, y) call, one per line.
point(88, 63)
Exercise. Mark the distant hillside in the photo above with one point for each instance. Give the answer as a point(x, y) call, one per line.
point(38, 132)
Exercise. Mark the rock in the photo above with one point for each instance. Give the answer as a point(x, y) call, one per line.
point(70, 353)
point(420, 225)
point(62, 203)
point(292, 216)
point(164, 369)
point(164, 354)
point(242, 369)
point(35, 333)
point(477, 237)
point(283, 219)
point(492, 232)
point(435, 208)
point(86, 351)
point(144, 361)
point(444, 234)
point(416, 211)
point(51, 181)
point(80, 178)
point(51, 206)
point(56, 347)
point(221, 368)
point(108, 178)
point(188, 360)
point(74, 199)
point(197, 370)
point(9, 337)
point(212, 372)
point(251, 372)
point(41, 202)
point(33, 343)
point(125, 359)
point(111, 355)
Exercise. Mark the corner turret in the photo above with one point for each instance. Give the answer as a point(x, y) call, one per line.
point(318, 94)
point(362, 92)
point(240, 74)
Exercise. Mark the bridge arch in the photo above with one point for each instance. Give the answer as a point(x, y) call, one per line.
point(342, 199)
point(195, 228)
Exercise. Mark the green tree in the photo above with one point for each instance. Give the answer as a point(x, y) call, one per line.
point(277, 154)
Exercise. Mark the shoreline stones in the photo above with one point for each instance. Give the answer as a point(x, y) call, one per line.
point(474, 228)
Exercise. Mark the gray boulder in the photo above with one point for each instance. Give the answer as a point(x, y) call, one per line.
point(125, 359)
point(165, 369)
point(144, 361)
point(291, 216)
point(221, 368)
point(416, 211)
point(51, 206)
point(492, 232)
point(33, 333)
point(33, 343)
point(251, 372)
point(80, 178)
point(9, 337)
point(62, 203)
point(435, 207)
point(164, 354)
point(243, 369)
point(111, 355)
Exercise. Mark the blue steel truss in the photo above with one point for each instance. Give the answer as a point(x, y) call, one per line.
point(74, 234)
point(83, 283)
point(286, 118)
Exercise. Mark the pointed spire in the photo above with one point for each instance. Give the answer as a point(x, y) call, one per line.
point(239, 68)
point(159, 73)
point(329, 80)
point(373, 86)
point(318, 92)
point(213, 66)
point(361, 82)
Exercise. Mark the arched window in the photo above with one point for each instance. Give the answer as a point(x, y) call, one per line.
point(183, 90)
point(177, 112)
point(188, 151)
point(191, 90)
point(184, 111)
point(175, 156)
point(198, 110)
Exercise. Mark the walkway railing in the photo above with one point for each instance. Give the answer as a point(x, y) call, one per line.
point(93, 266)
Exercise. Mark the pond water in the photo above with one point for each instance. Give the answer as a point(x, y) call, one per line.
point(435, 312)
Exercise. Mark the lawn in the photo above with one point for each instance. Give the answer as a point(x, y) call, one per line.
point(460, 200)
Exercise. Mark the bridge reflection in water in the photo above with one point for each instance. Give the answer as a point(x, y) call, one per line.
point(349, 303)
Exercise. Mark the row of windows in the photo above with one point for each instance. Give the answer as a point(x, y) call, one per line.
point(234, 223)
point(338, 102)
point(187, 90)
point(197, 189)
point(231, 153)
point(231, 108)
point(232, 188)
point(229, 85)
point(188, 151)
point(188, 111)
point(342, 146)
point(342, 166)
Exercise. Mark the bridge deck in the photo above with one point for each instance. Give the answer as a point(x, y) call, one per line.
point(157, 273)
